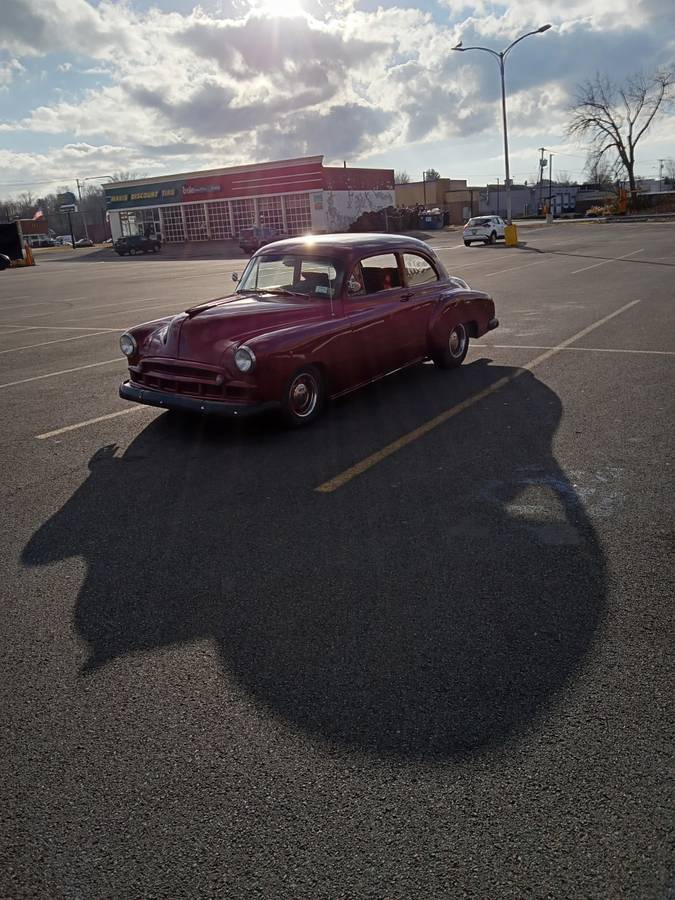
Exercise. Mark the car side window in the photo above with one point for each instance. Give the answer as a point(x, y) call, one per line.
point(378, 273)
point(418, 270)
point(355, 287)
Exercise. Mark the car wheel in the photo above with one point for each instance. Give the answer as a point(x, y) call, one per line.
point(155, 249)
point(493, 237)
point(467, 243)
point(455, 349)
point(302, 399)
point(132, 251)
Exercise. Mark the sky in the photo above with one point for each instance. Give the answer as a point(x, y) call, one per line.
point(89, 89)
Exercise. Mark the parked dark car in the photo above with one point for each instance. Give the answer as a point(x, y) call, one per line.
point(252, 239)
point(311, 319)
point(136, 243)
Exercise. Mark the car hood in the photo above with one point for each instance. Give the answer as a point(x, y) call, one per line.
point(206, 331)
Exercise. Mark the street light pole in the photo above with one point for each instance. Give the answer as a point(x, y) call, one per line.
point(79, 194)
point(500, 56)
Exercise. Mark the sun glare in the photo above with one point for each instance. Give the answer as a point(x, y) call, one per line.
point(286, 8)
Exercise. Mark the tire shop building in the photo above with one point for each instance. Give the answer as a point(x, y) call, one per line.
point(293, 196)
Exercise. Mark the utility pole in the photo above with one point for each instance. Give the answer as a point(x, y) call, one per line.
point(550, 180)
point(542, 150)
point(499, 212)
point(424, 188)
point(84, 218)
point(661, 162)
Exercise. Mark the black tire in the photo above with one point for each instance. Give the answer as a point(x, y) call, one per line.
point(456, 347)
point(493, 237)
point(132, 251)
point(303, 397)
point(467, 243)
point(156, 248)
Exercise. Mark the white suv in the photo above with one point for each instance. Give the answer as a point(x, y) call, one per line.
point(486, 229)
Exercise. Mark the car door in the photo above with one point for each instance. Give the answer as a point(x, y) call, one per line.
point(421, 289)
point(499, 226)
point(373, 298)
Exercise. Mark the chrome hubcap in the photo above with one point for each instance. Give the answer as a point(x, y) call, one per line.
point(304, 393)
point(457, 340)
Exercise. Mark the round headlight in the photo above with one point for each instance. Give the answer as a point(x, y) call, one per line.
point(244, 359)
point(128, 345)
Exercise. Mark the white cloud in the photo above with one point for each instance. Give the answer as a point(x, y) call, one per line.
point(202, 89)
point(9, 69)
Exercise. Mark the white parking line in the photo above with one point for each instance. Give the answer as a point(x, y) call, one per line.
point(14, 329)
point(605, 261)
point(86, 309)
point(66, 428)
point(106, 362)
point(79, 337)
point(582, 349)
point(513, 268)
point(54, 328)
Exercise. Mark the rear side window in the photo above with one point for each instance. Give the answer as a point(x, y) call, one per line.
point(374, 274)
point(418, 270)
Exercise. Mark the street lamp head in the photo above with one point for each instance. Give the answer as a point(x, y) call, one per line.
point(543, 29)
point(459, 47)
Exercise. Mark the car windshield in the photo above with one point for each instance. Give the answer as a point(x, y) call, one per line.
point(481, 221)
point(291, 274)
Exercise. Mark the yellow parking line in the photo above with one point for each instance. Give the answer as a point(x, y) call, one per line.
point(360, 467)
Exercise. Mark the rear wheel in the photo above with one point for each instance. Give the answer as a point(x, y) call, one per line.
point(132, 251)
point(302, 399)
point(467, 243)
point(455, 349)
point(493, 237)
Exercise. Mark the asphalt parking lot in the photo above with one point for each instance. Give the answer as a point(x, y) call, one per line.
point(418, 650)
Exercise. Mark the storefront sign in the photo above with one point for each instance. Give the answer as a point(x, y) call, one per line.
point(146, 195)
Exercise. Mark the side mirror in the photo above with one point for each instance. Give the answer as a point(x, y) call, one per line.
point(235, 276)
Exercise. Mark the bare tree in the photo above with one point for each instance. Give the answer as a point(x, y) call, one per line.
point(432, 175)
point(600, 171)
point(401, 178)
point(563, 179)
point(614, 118)
point(125, 175)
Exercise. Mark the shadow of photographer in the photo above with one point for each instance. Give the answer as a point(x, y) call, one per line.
point(435, 605)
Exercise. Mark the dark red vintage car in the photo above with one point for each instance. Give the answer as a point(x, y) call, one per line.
point(312, 318)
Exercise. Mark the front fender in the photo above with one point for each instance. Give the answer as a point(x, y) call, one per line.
point(281, 353)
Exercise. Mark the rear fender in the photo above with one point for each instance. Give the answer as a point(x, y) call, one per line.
point(471, 308)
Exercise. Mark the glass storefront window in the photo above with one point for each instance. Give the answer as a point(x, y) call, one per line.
point(219, 220)
point(298, 213)
point(243, 215)
point(172, 224)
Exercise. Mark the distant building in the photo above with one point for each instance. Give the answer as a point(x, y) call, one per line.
point(293, 196)
point(452, 196)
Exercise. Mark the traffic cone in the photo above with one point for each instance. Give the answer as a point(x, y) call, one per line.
point(30, 261)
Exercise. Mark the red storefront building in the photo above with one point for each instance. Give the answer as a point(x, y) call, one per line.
point(294, 196)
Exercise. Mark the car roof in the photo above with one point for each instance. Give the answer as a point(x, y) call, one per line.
point(348, 243)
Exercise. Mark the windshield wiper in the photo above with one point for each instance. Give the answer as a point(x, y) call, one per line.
point(281, 292)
